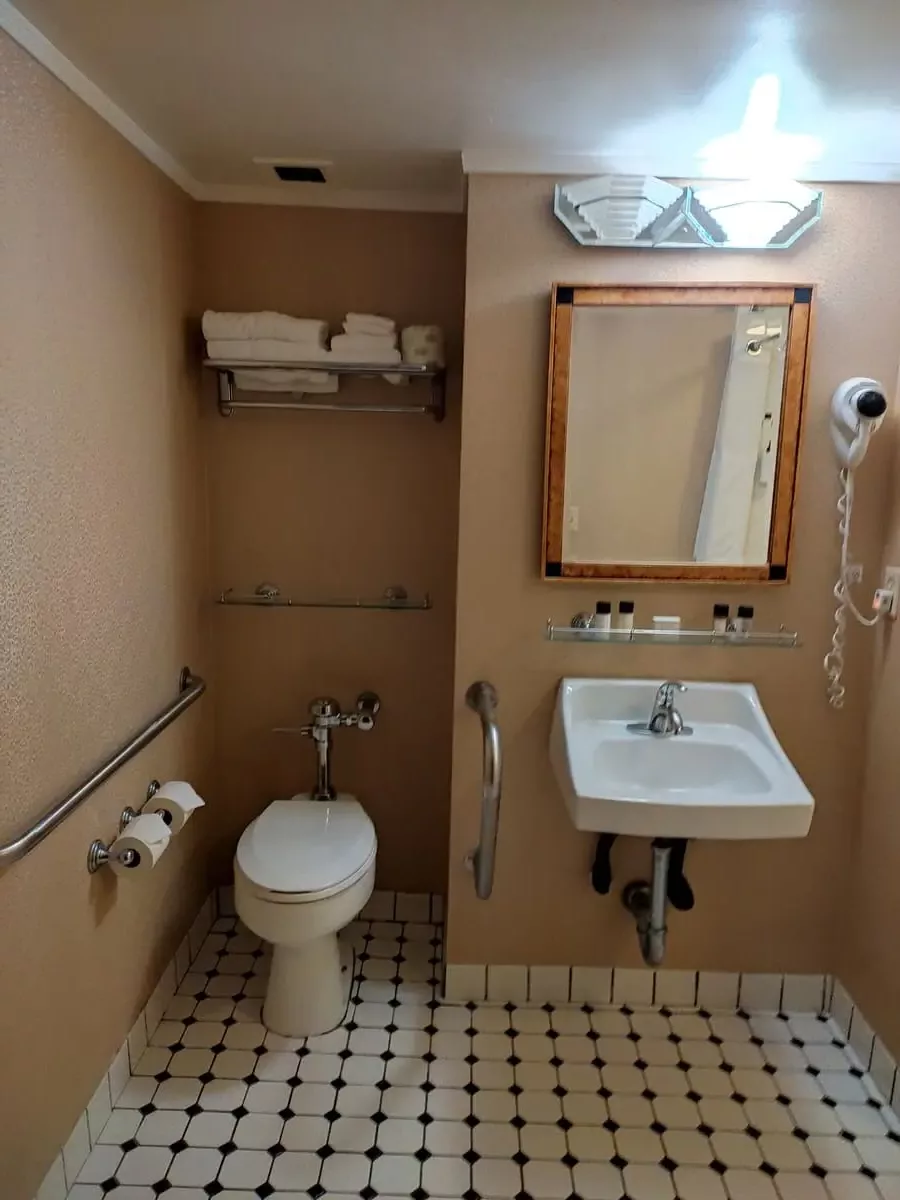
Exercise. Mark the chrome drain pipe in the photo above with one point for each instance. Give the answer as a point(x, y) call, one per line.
point(647, 903)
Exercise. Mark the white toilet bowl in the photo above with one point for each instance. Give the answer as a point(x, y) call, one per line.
point(302, 871)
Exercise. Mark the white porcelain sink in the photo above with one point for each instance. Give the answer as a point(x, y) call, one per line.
point(728, 778)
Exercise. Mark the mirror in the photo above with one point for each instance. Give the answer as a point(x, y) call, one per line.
point(672, 431)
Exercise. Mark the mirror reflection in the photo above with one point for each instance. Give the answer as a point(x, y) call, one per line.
point(672, 433)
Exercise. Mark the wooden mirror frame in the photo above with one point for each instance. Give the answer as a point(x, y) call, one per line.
point(565, 299)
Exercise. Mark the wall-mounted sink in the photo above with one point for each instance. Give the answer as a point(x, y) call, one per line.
point(727, 778)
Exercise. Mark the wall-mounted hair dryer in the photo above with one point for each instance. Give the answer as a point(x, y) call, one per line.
point(857, 410)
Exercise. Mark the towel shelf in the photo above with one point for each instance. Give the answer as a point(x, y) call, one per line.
point(268, 595)
point(781, 639)
point(225, 370)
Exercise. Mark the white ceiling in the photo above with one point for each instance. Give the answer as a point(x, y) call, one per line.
point(393, 92)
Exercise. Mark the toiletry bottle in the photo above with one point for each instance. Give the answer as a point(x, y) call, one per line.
point(744, 622)
point(603, 618)
point(720, 618)
point(626, 615)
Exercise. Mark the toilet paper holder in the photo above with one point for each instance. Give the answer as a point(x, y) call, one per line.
point(99, 855)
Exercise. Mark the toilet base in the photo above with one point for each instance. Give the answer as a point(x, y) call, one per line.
point(309, 988)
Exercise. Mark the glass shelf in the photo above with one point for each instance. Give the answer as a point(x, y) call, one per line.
point(782, 639)
point(267, 595)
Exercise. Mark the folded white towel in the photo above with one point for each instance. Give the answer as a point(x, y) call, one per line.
point(229, 326)
point(265, 350)
point(365, 341)
point(368, 323)
point(423, 344)
point(347, 348)
point(296, 382)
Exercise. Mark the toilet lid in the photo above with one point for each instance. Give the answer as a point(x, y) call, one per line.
point(306, 845)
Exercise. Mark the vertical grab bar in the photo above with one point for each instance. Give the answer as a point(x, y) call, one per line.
point(482, 699)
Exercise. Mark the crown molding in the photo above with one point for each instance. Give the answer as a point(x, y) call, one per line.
point(537, 162)
point(30, 38)
point(293, 195)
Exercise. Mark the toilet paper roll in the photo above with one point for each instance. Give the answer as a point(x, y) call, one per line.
point(175, 801)
point(147, 836)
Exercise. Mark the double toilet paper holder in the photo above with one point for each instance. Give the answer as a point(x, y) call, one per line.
point(100, 854)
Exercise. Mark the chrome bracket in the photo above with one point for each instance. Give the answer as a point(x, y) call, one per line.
point(98, 853)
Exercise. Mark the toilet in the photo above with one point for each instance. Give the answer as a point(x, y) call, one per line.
point(302, 871)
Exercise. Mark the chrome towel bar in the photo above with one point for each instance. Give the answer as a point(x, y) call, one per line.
point(482, 699)
point(191, 688)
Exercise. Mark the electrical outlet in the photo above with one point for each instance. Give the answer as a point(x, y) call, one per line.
point(891, 583)
point(854, 572)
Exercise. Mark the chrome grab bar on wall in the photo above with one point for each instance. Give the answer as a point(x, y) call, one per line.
point(191, 688)
point(482, 698)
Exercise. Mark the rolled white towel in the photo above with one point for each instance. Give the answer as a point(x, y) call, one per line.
point(423, 344)
point(347, 348)
point(368, 323)
point(265, 350)
point(231, 326)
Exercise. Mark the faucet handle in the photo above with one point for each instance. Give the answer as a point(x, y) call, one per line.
point(667, 690)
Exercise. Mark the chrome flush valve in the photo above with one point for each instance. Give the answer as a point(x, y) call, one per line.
point(326, 715)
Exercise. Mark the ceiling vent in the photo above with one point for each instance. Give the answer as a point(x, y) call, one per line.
point(293, 173)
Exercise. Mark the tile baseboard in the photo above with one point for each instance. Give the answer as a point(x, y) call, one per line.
point(871, 1051)
point(638, 987)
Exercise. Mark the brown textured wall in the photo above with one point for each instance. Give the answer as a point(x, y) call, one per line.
point(868, 963)
point(760, 905)
point(102, 557)
point(338, 504)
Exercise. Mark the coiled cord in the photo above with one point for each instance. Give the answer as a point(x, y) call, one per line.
point(834, 659)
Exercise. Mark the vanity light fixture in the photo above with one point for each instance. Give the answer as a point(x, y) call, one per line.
point(643, 212)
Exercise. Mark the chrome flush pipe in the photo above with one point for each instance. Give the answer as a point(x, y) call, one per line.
point(647, 903)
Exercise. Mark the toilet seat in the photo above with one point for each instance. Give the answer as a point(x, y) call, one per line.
point(302, 850)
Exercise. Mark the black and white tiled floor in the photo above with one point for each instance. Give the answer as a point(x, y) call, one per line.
point(416, 1099)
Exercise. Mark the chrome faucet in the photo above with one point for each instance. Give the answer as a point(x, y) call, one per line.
point(665, 719)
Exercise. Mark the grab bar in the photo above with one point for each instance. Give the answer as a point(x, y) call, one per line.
point(191, 688)
point(482, 698)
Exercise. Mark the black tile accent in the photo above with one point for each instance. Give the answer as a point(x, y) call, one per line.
point(206, 1077)
point(515, 1090)
point(264, 1190)
point(517, 1122)
point(819, 1172)
point(418, 1194)
point(868, 1172)
point(275, 1151)
point(109, 1185)
point(782, 1099)
point(751, 1131)
point(718, 1167)
point(162, 1077)
point(705, 1130)
point(192, 1110)
point(768, 1169)
point(471, 1120)
point(238, 1112)
point(847, 1135)
point(227, 1148)
point(317, 1191)
point(565, 1124)
point(520, 1159)
point(648, 1094)
point(695, 1096)
point(367, 1193)
point(294, 1081)
point(739, 1097)
point(668, 1164)
point(146, 1109)
point(128, 1146)
point(472, 1157)
point(373, 1153)
point(161, 1186)
point(331, 1115)
point(800, 1134)
point(611, 1125)
point(422, 1155)
point(658, 1128)
point(569, 1160)
point(619, 1162)
point(325, 1152)
point(560, 1091)
point(250, 1079)
point(178, 1146)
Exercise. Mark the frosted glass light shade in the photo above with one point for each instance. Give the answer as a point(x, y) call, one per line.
point(643, 212)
